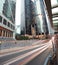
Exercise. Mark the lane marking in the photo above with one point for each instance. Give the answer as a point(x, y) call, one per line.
point(25, 55)
point(23, 49)
point(24, 62)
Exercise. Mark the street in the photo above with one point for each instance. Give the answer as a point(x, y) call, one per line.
point(28, 32)
point(29, 55)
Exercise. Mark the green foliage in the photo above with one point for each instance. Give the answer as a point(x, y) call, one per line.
point(20, 37)
point(23, 38)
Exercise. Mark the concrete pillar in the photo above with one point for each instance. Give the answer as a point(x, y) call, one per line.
point(13, 34)
point(8, 34)
point(2, 33)
point(5, 33)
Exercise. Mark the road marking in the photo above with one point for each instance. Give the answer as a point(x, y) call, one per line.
point(23, 49)
point(24, 62)
point(25, 55)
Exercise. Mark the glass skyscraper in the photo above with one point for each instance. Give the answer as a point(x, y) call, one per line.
point(31, 17)
point(9, 9)
point(37, 16)
point(7, 17)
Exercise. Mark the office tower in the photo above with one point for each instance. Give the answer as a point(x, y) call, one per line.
point(9, 9)
point(44, 20)
point(28, 17)
point(7, 18)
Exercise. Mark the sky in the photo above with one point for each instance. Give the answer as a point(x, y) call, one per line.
point(1, 5)
point(18, 14)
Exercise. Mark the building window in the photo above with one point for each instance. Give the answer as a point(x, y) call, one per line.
point(4, 22)
point(8, 24)
point(0, 19)
point(11, 26)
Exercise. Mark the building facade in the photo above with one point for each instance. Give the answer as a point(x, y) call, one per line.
point(37, 17)
point(54, 9)
point(7, 18)
point(26, 17)
point(30, 14)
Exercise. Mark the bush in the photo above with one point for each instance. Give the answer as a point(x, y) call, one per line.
point(21, 37)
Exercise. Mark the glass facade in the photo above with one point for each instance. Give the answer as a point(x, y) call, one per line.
point(9, 9)
point(7, 17)
point(35, 17)
point(28, 16)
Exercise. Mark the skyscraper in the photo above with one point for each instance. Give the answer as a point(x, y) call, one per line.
point(26, 13)
point(30, 14)
point(9, 9)
point(7, 18)
point(45, 26)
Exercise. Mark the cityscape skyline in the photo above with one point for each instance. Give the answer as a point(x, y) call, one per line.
point(19, 12)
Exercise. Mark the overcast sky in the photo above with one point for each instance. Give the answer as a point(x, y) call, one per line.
point(18, 14)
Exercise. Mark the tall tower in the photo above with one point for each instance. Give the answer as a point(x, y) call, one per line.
point(9, 9)
point(45, 26)
point(7, 18)
point(30, 14)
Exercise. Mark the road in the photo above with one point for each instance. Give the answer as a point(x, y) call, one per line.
point(41, 58)
point(30, 55)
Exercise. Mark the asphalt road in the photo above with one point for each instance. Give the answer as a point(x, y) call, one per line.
point(7, 57)
point(38, 60)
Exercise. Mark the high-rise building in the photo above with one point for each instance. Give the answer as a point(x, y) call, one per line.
point(44, 20)
point(9, 9)
point(37, 17)
point(30, 15)
point(26, 13)
point(7, 18)
point(23, 29)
